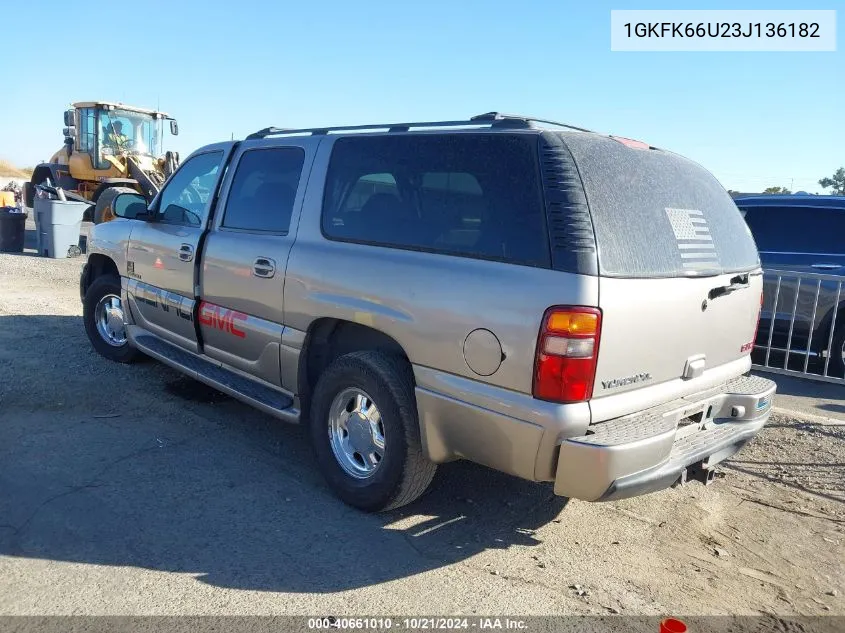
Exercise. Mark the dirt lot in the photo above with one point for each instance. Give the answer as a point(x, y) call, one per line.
point(130, 490)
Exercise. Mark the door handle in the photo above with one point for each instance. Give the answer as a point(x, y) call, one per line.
point(186, 252)
point(740, 281)
point(264, 267)
point(826, 266)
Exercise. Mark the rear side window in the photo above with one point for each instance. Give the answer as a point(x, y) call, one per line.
point(263, 190)
point(474, 195)
point(796, 229)
point(656, 214)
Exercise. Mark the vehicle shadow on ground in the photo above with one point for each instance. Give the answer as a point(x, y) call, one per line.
point(120, 465)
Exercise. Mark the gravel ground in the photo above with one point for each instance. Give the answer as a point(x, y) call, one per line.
point(132, 490)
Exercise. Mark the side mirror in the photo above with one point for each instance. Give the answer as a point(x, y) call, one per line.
point(129, 205)
point(174, 127)
point(69, 118)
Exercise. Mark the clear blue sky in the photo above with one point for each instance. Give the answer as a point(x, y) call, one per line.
point(223, 68)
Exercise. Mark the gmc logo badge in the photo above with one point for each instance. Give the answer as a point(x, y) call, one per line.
point(221, 318)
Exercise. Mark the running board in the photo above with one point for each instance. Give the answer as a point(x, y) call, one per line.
point(250, 391)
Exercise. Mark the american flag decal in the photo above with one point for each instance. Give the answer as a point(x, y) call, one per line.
point(693, 238)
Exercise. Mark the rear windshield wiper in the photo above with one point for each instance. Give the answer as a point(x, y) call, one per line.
point(740, 281)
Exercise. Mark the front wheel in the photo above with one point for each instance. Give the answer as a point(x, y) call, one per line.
point(365, 432)
point(102, 313)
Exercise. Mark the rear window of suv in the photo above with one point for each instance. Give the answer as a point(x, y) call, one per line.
point(472, 195)
point(656, 214)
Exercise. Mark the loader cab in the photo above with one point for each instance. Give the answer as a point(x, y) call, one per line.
point(100, 133)
point(106, 145)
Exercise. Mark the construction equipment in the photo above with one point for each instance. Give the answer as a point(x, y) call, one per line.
point(108, 148)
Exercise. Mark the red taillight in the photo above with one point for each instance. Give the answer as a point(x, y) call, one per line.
point(567, 351)
point(632, 143)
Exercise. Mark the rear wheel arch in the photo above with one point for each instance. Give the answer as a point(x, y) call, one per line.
point(328, 339)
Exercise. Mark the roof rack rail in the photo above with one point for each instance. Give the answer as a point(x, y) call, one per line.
point(501, 116)
point(391, 127)
point(267, 131)
point(491, 119)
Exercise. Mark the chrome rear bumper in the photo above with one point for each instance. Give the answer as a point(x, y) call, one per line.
point(652, 450)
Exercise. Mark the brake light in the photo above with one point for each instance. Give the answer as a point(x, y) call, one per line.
point(567, 351)
point(632, 143)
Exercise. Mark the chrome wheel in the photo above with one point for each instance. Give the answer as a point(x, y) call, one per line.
point(108, 316)
point(356, 433)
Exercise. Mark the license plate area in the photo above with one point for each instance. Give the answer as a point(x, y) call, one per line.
point(691, 423)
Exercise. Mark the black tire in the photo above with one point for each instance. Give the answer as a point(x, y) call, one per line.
point(837, 363)
point(99, 288)
point(102, 210)
point(404, 473)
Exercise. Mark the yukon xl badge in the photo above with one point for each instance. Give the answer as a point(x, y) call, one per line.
point(621, 382)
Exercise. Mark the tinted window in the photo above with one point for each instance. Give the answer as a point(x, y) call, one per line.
point(796, 229)
point(367, 186)
point(184, 198)
point(657, 214)
point(263, 190)
point(475, 195)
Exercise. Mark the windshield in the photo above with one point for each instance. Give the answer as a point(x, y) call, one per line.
point(124, 131)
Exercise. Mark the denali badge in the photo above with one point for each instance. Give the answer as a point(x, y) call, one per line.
point(621, 382)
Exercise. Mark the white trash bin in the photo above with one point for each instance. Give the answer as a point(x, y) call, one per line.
point(58, 224)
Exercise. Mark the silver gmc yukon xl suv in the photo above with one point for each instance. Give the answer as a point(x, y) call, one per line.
point(550, 302)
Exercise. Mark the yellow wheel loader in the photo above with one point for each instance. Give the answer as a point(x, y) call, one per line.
point(108, 147)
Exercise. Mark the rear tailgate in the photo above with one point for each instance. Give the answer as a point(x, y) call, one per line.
point(679, 284)
point(659, 330)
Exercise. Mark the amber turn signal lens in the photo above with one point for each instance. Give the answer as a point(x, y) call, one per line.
point(574, 323)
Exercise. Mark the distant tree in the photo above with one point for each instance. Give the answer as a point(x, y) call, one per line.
point(837, 182)
point(783, 190)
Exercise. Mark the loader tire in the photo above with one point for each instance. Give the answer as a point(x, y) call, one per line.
point(103, 211)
